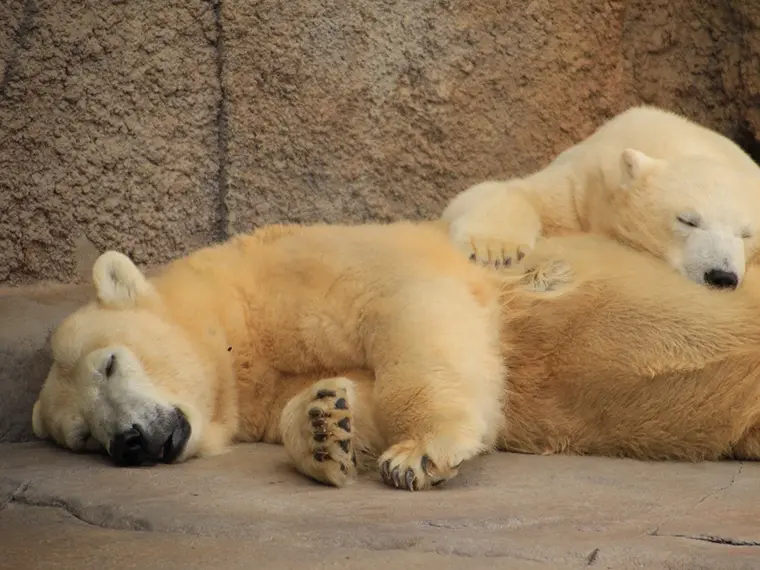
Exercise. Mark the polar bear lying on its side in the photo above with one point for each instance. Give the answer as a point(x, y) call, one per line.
point(647, 178)
point(382, 344)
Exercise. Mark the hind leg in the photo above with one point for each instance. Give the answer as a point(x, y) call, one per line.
point(439, 383)
point(322, 434)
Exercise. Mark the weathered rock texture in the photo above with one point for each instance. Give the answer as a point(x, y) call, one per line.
point(108, 133)
point(155, 129)
point(250, 509)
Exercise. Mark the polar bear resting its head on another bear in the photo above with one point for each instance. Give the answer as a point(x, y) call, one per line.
point(381, 345)
point(647, 178)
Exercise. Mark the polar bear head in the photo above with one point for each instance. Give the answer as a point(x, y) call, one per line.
point(701, 216)
point(125, 379)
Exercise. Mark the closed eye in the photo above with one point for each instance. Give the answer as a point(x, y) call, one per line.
point(110, 366)
point(688, 221)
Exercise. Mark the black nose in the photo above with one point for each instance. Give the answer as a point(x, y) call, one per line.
point(164, 439)
point(722, 279)
point(128, 448)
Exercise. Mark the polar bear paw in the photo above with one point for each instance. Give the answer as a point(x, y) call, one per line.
point(496, 254)
point(318, 432)
point(331, 446)
point(413, 466)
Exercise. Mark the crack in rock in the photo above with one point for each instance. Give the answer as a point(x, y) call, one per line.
point(102, 517)
point(23, 486)
point(722, 489)
point(716, 539)
point(224, 229)
point(24, 26)
point(656, 531)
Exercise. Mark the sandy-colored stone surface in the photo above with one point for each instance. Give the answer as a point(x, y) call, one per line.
point(155, 129)
point(250, 509)
point(380, 110)
point(108, 133)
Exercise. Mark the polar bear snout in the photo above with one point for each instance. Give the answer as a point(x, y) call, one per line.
point(162, 440)
point(722, 279)
point(714, 256)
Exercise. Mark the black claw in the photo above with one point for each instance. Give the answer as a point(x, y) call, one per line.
point(326, 394)
point(507, 261)
point(316, 413)
point(410, 478)
point(345, 424)
point(320, 455)
point(497, 263)
point(343, 468)
point(385, 471)
point(472, 257)
point(396, 476)
point(353, 458)
point(320, 436)
point(520, 255)
point(341, 403)
point(344, 445)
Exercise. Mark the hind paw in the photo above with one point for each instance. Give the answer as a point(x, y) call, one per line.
point(331, 439)
point(318, 431)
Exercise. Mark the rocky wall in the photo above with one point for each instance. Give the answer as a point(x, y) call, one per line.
point(155, 128)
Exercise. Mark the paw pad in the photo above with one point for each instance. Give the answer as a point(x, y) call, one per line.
point(330, 425)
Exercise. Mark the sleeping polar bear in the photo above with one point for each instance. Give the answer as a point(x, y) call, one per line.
point(381, 345)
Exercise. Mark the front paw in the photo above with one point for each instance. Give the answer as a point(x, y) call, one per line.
point(494, 253)
point(413, 466)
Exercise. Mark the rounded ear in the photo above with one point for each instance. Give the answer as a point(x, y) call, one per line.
point(118, 281)
point(635, 164)
point(38, 426)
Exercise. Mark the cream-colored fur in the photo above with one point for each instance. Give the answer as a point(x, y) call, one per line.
point(648, 178)
point(227, 334)
point(381, 346)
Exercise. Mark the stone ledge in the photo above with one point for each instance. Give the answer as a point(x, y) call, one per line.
point(69, 543)
point(249, 508)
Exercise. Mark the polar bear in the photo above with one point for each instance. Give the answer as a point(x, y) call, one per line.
point(410, 360)
point(648, 178)
point(185, 363)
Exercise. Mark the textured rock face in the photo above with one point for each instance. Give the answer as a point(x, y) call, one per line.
point(379, 110)
point(108, 133)
point(158, 128)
